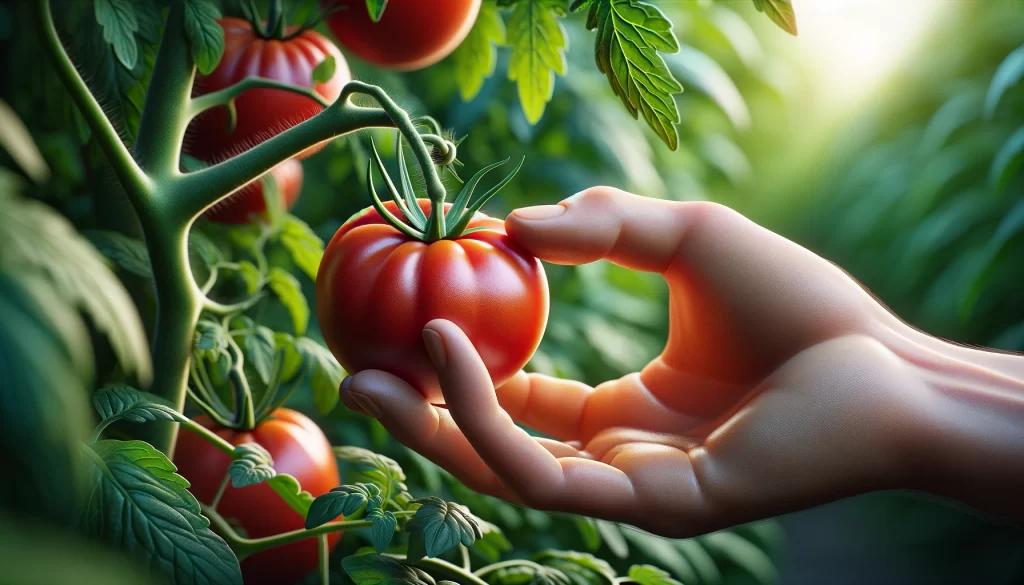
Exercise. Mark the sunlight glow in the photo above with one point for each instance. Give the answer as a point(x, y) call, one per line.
point(854, 45)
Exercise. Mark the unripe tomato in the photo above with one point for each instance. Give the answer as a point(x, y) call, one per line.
point(412, 34)
point(300, 449)
point(248, 201)
point(377, 288)
point(262, 113)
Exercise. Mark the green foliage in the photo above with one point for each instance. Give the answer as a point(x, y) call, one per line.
point(287, 289)
point(288, 488)
point(781, 13)
point(205, 35)
point(132, 482)
point(324, 70)
point(439, 526)
point(380, 570)
point(252, 465)
point(476, 57)
point(344, 500)
point(376, 9)
point(630, 34)
point(537, 40)
point(125, 402)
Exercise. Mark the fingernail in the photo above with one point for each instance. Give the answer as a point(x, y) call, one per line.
point(539, 212)
point(435, 348)
point(365, 403)
point(345, 384)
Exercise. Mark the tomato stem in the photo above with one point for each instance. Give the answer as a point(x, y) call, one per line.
point(325, 557)
point(225, 96)
point(223, 487)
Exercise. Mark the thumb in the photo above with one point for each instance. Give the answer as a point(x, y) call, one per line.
point(636, 232)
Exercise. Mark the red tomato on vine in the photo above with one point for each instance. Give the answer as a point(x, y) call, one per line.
point(240, 207)
point(411, 34)
point(299, 448)
point(264, 112)
point(382, 279)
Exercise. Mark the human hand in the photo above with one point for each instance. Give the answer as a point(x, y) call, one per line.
point(783, 385)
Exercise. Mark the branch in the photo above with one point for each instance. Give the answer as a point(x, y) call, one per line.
point(228, 94)
point(128, 172)
point(199, 190)
point(216, 308)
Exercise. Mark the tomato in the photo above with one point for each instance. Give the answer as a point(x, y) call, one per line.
point(249, 201)
point(300, 449)
point(377, 288)
point(262, 113)
point(411, 34)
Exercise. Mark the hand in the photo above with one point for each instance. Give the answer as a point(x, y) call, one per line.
point(783, 385)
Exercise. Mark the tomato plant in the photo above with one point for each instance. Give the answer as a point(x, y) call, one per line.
point(287, 56)
point(481, 281)
point(250, 200)
point(300, 449)
point(411, 34)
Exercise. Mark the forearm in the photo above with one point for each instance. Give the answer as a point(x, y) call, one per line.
point(974, 427)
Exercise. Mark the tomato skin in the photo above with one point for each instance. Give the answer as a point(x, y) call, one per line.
point(412, 34)
point(248, 201)
point(262, 113)
point(300, 449)
point(377, 288)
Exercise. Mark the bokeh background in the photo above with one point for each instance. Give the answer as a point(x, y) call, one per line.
point(887, 137)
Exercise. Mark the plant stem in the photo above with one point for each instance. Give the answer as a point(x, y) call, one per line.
point(212, 437)
point(220, 490)
point(222, 309)
point(129, 173)
point(221, 97)
point(449, 570)
point(199, 190)
point(325, 557)
point(506, 564)
point(165, 114)
point(464, 555)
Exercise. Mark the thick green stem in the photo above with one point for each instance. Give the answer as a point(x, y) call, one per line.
point(167, 109)
point(178, 308)
point(222, 97)
point(128, 172)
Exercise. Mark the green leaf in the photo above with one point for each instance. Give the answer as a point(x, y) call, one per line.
point(202, 248)
point(291, 492)
point(376, 9)
point(476, 57)
point(343, 500)
point(289, 292)
point(139, 504)
point(492, 542)
point(649, 575)
point(128, 253)
point(258, 346)
point(538, 52)
point(587, 528)
point(34, 240)
point(18, 143)
point(1007, 162)
point(210, 338)
point(743, 554)
point(383, 528)
point(630, 33)
point(252, 465)
point(662, 552)
point(251, 277)
point(375, 468)
point(205, 36)
point(1009, 74)
point(324, 70)
point(305, 247)
point(781, 13)
point(580, 568)
point(523, 575)
point(379, 570)
point(611, 534)
point(439, 526)
point(117, 17)
point(129, 404)
point(46, 367)
point(326, 374)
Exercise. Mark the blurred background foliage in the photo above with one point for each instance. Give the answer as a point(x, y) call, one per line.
point(888, 137)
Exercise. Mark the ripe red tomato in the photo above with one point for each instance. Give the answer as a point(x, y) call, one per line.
point(411, 34)
point(300, 449)
point(249, 201)
point(262, 113)
point(377, 288)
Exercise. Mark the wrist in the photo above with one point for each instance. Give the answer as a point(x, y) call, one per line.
point(970, 434)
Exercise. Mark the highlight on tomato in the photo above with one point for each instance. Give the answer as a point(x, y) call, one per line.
point(274, 51)
point(298, 448)
point(250, 201)
point(411, 34)
point(394, 267)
